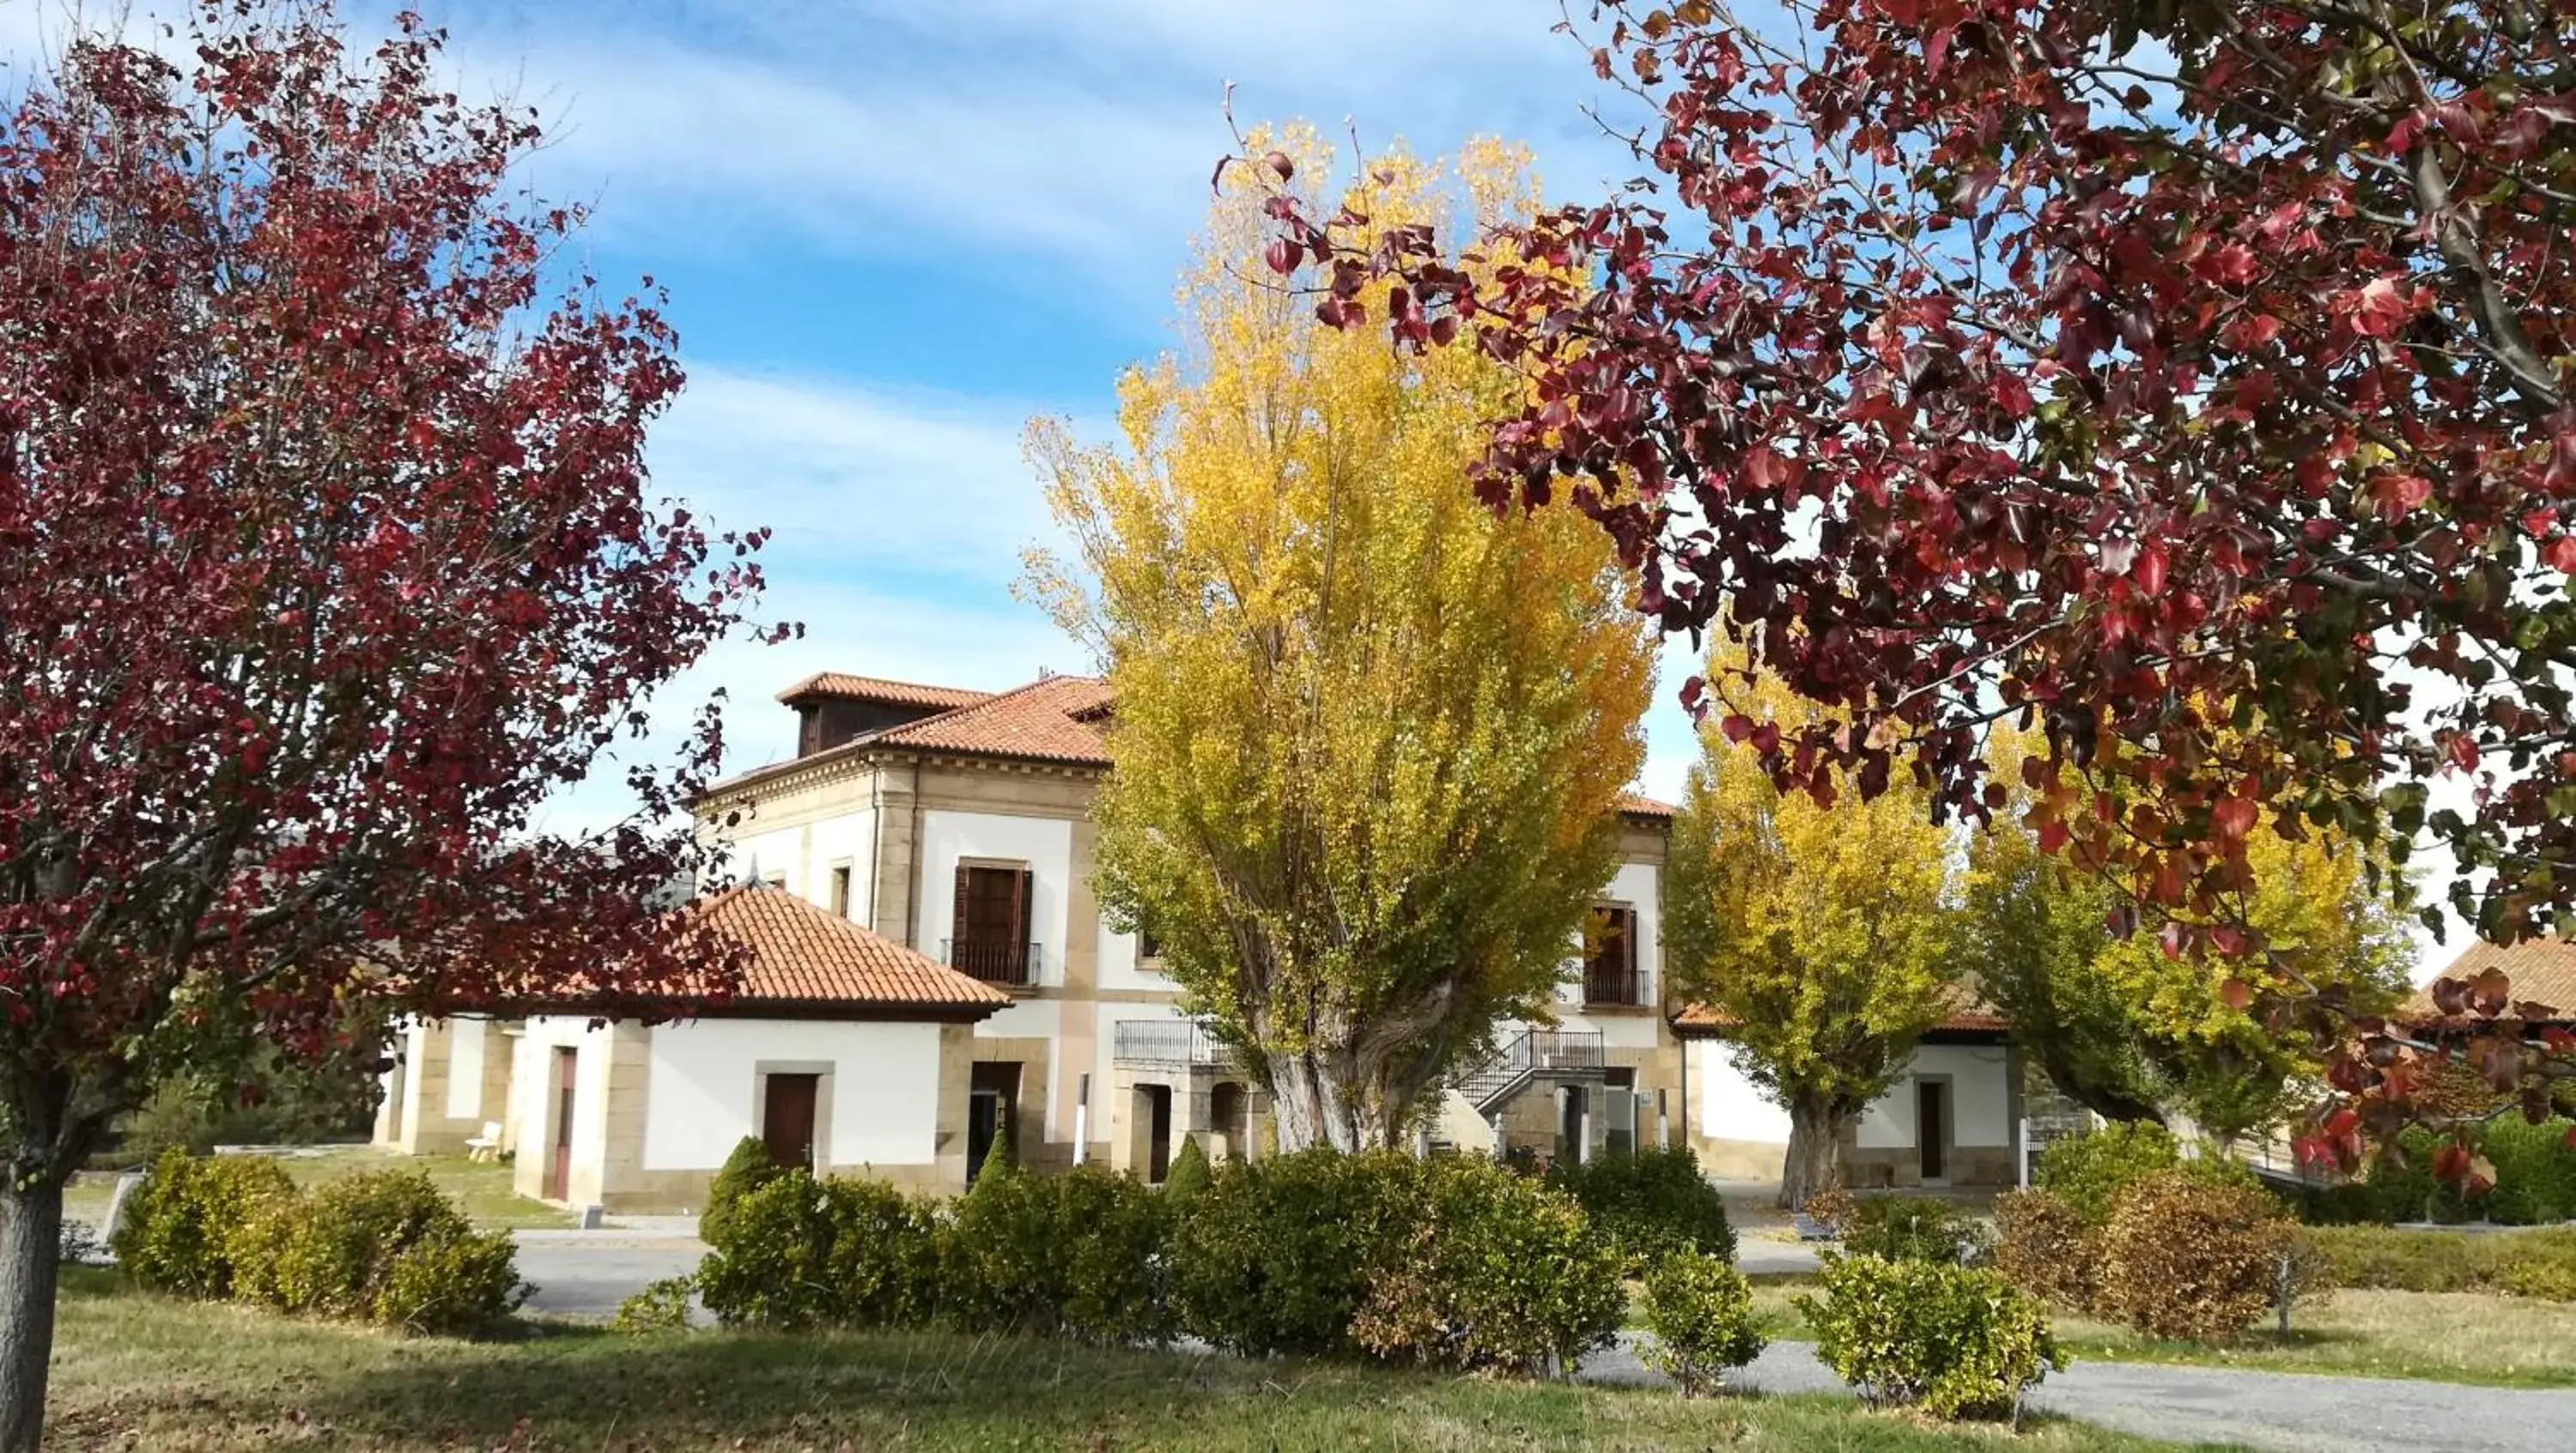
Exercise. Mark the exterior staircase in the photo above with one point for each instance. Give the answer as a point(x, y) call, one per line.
point(1557, 1056)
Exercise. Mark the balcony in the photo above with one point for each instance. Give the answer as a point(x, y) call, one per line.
point(1607, 986)
point(1013, 964)
point(1168, 1042)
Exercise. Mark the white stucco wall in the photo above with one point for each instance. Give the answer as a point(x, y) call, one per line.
point(1732, 1107)
point(805, 855)
point(1980, 1098)
point(1120, 967)
point(704, 1081)
point(468, 1040)
point(1044, 844)
point(532, 1087)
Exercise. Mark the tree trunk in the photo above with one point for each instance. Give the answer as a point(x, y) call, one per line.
point(1310, 1106)
point(1815, 1157)
point(31, 1246)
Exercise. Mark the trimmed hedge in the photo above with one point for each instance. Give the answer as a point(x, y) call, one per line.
point(2540, 1264)
point(2091, 1172)
point(386, 1247)
point(746, 1170)
point(1451, 1262)
point(1649, 1204)
point(1953, 1341)
point(2192, 1259)
point(2043, 1246)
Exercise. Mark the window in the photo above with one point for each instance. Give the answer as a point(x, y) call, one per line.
point(990, 932)
point(1148, 945)
point(840, 890)
point(1610, 957)
point(774, 880)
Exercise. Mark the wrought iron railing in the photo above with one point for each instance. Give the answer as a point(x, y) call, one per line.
point(994, 963)
point(1560, 1053)
point(1168, 1042)
point(1620, 986)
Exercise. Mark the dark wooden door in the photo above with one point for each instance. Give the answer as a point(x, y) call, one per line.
point(559, 1155)
point(787, 1123)
point(1932, 1127)
point(1158, 1145)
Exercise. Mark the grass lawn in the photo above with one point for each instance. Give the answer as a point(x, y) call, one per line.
point(134, 1371)
point(481, 1187)
point(2436, 1336)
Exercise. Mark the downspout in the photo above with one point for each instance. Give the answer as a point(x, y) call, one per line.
point(912, 870)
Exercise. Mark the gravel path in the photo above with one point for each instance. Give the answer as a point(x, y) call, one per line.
point(2276, 1411)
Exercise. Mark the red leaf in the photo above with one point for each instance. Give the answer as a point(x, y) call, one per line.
point(2234, 817)
point(2236, 994)
point(1282, 255)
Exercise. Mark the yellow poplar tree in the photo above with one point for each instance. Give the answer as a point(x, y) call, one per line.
point(1824, 930)
point(1369, 735)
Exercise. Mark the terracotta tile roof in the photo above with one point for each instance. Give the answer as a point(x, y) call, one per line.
point(1637, 804)
point(1052, 719)
point(1969, 1014)
point(877, 688)
point(2540, 970)
point(808, 958)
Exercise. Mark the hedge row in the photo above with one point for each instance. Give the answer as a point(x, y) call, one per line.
point(2539, 1264)
point(1447, 1262)
point(385, 1247)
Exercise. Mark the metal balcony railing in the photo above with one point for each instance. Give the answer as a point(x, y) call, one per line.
point(994, 963)
point(1168, 1042)
point(1613, 986)
point(1553, 1054)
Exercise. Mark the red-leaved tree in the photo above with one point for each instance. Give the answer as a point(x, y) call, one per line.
point(325, 558)
point(2190, 378)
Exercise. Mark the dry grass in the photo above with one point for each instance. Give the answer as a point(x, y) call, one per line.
point(136, 1372)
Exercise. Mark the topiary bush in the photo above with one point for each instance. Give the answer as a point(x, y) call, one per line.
point(185, 1224)
point(1649, 1204)
point(335, 1251)
point(661, 1308)
point(746, 1170)
point(1699, 1313)
point(1953, 1341)
point(2191, 1259)
point(882, 1263)
point(800, 1253)
point(1278, 1255)
point(2043, 1247)
point(451, 1284)
point(1113, 1288)
point(1495, 1271)
point(1914, 1228)
point(1075, 1255)
point(1189, 1174)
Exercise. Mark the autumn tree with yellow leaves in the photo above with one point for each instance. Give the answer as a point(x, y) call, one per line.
point(2144, 1025)
point(1822, 923)
point(1369, 734)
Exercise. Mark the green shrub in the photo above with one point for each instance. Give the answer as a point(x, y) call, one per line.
point(881, 1266)
point(184, 1225)
point(1278, 1255)
point(1649, 1204)
point(2088, 1172)
point(1913, 1228)
point(2539, 1264)
point(746, 1170)
point(1077, 1255)
point(2188, 1258)
point(1699, 1312)
point(800, 1253)
point(1953, 1341)
point(2043, 1247)
point(661, 1307)
point(2535, 1180)
point(451, 1284)
point(1497, 1271)
point(333, 1252)
point(1189, 1174)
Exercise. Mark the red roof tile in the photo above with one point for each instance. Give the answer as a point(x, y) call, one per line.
point(877, 688)
point(805, 958)
point(1051, 719)
point(2540, 970)
point(1637, 804)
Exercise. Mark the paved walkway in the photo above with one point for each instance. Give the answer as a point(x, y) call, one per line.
point(2275, 1411)
point(587, 1273)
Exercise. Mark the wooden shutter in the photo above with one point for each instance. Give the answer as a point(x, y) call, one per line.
point(957, 919)
point(1628, 939)
point(1021, 883)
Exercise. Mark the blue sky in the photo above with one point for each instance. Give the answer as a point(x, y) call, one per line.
point(893, 231)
